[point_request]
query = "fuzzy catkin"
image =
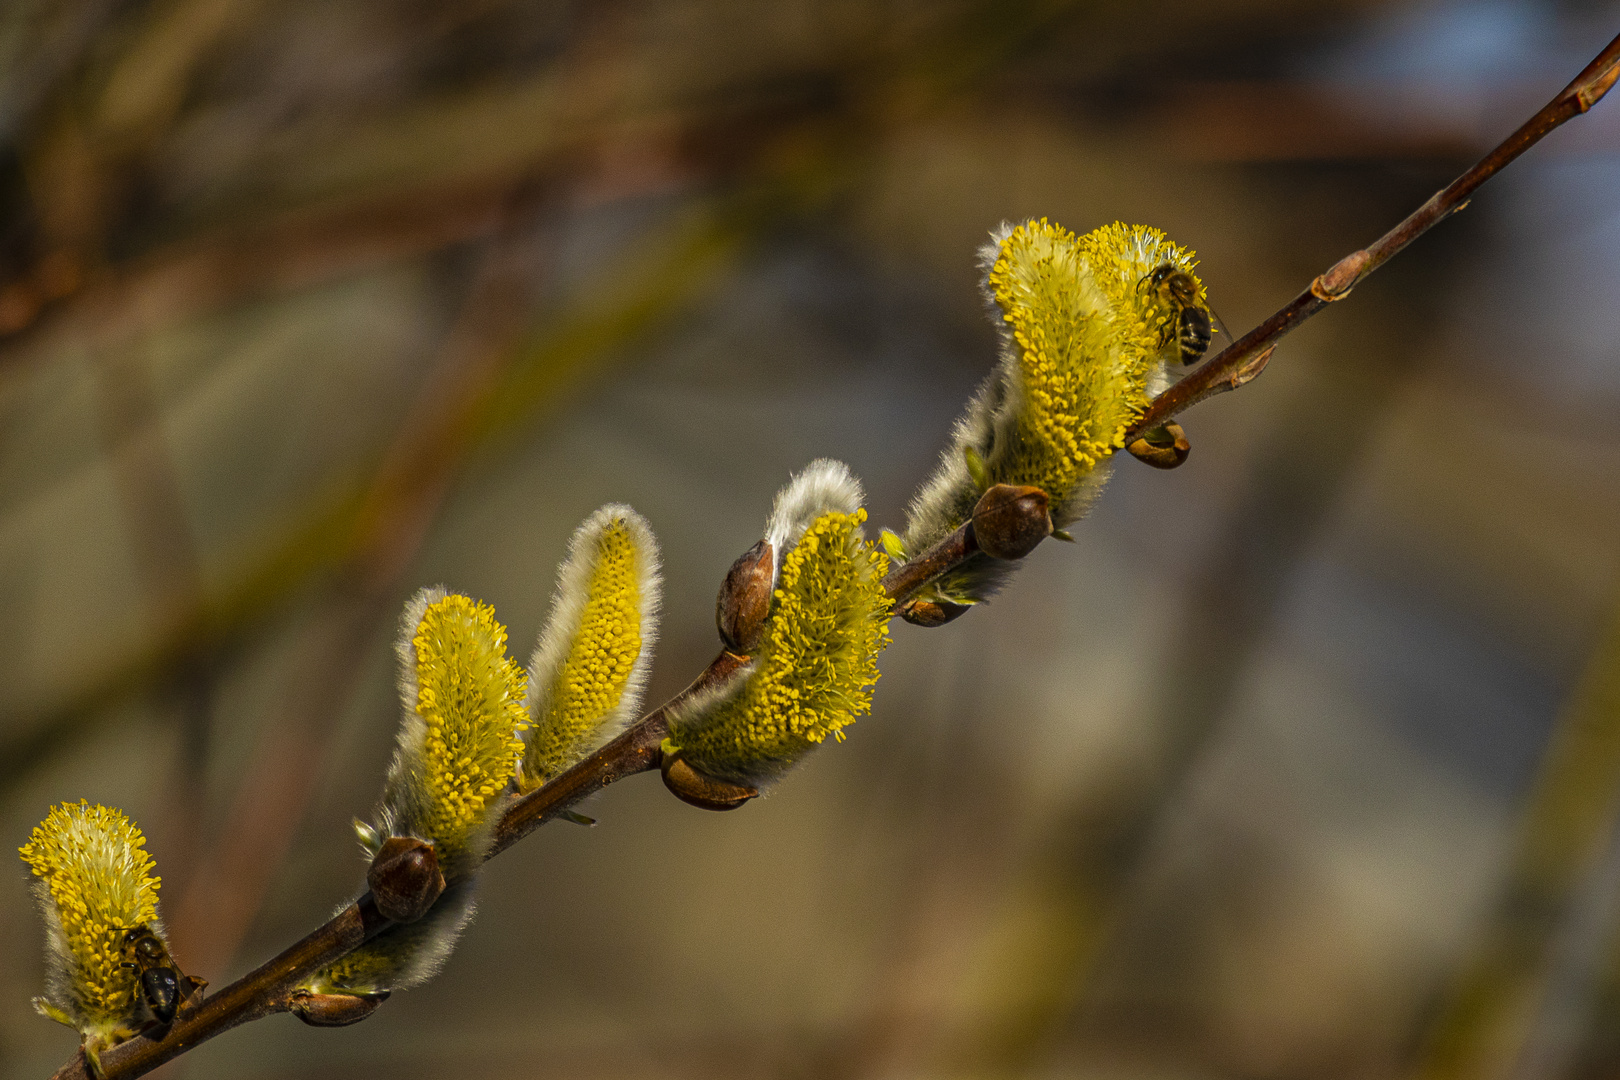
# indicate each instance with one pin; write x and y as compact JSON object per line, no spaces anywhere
{"x":1084,"y":348}
{"x":815,"y":668}
{"x":590,"y":667}
{"x":94,"y":883}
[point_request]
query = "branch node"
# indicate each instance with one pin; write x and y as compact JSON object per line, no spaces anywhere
{"x":1341,"y":277}
{"x":1251,"y":369}
{"x":1592,"y":90}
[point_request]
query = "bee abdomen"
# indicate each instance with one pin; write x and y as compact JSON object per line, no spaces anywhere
{"x":1193,"y":334}
{"x":162,"y":991}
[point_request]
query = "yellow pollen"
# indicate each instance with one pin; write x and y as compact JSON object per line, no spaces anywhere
{"x":470,"y":696}
{"x":817,"y":663}
{"x":1087,"y":336}
{"x":101,"y":882}
{"x":600,"y":661}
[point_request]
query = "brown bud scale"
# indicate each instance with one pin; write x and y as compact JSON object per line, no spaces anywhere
{"x":745,"y":598}
{"x":1163,"y":448}
{"x":1010,"y":520}
{"x":930,"y":612}
{"x":334,"y":1010}
{"x":691,"y":786}
{"x":405,"y":878}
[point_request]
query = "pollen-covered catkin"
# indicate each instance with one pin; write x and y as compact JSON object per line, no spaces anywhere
{"x":94,"y":883}
{"x":1084,"y":348}
{"x":461,"y":737}
{"x":814,"y":669}
{"x":590,"y":667}
{"x":459,"y":747}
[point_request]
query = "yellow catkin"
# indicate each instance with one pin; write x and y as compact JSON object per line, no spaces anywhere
{"x":816,"y":665}
{"x":470,"y":697}
{"x":601,"y":657}
{"x":100,"y":880}
{"x":1087,"y":336}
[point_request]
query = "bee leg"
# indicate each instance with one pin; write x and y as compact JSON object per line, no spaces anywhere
{"x":1164,"y":447}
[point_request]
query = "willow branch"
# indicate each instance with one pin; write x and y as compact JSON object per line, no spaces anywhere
{"x":269,"y":988}
{"x":1242,"y":361}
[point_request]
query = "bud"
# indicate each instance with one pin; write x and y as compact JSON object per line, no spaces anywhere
{"x":745,"y":598}
{"x":691,"y":786}
{"x":458,"y":753}
{"x":404,"y":878}
{"x":1165,"y":447}
{"x":1010,"y":521}
{"x":921,"y":612}
{"x":334,"y":1010}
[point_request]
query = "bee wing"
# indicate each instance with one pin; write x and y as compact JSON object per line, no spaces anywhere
{"x":1222,"y":338}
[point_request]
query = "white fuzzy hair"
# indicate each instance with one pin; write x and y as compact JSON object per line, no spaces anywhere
{"x":412,"y":953}
{"x":568,"y":607}
{"x":820,"y":487}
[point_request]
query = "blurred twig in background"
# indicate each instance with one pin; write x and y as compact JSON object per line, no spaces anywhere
{"x":1497,"y":1020}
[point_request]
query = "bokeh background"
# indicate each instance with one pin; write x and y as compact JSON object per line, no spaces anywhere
{"x":1301,"y":763}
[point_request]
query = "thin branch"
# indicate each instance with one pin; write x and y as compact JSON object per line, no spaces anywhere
{"x":1242,"y":361}
{"x":268,"y":989}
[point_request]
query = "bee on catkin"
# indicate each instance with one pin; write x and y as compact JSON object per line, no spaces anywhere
{"x":109,"y":975}
{"x":1090,"y":327}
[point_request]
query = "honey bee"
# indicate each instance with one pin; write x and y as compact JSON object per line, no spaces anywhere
{"x":163,"y":988}
{"x":1178,"y":290}
{"x":1166,"y":446}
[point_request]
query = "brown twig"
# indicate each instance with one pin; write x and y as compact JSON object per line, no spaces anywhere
{"x":267,"y":989}
{"x":1242,"y":361}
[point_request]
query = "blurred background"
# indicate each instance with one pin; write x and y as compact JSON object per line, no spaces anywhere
{"x":1302,"y":762}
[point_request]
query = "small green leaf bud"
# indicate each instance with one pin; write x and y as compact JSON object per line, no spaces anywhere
{"x":691,"y":786}
{"x":335,"y":1010}
{"x":405,"y":878}
{"x":978,"y":472}
{"x":930,"y":612}
{"x":1010,"y":520}
{"x":893,"y":546}
{"x":745,"y":598}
